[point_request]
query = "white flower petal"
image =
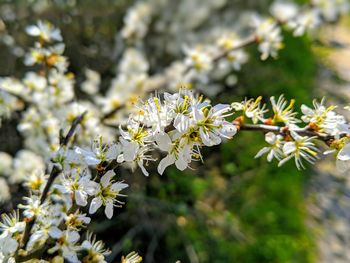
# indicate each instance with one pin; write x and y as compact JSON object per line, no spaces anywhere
{"x":55,"y":232}
{"x":344,"y":153}
{"x":106,"y":178}
{"x":163,"y":141}
{"x":270,"y":138}
{"x":109,"y":209}
{"x":165,"y":162}
{"x":95,"y":205}
{"x":181,"y":164}
{"x":113,"y":151}
{"x":73,"y":236}
{"x":80,"y":198}
{"x":262,"y":152}
{"x":33,"y":30}
{"x":130,"y":150}
{"x":119,"y":186}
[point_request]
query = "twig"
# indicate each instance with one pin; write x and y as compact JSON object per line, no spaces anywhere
{"x":54,"y":173}
{"x":285,"y":130}
{"x":245,"y":43}
{"x":111,"y":113}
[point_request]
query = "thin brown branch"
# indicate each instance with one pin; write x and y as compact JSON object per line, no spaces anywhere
{"x":285,"y":130}
{"x":111,"y":113}
{"x":244,"y":43}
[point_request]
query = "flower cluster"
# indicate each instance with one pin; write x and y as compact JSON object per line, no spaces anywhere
{"x":136,"y":21}
{"x":177,"y":125}
{"x":45,"y":101}
{"x":54,"y":217}
{"x":47,"y":95}
{"x":83,"y":180}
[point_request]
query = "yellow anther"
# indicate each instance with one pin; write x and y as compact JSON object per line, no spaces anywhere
{"x":184,"y":104}
{"x":290,"y":106}
{"x":206,"y":112}
{"x":156,"y":102}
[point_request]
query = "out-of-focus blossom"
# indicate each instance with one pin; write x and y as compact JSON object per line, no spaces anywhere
{"x":283,"y":10}
{"x":45,"y":31}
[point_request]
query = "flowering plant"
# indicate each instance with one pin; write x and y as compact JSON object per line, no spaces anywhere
{"x":70,"y":178}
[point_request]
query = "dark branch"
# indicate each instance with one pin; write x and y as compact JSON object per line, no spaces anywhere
{"x":54,"y":173}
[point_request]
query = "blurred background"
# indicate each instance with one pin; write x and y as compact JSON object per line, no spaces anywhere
{"x":232,"y":208}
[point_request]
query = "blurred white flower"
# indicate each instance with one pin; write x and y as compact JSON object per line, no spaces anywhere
{"x":24,"y":164}
{"x":5,"y":163}
{"x":331,"y":9}
{"x":8,"y":245}
{"x":305,"y":21}
{"x":284,"y":10}
{"x":5,"y":194}
{"x":132,"y":257}
{"x":98,"y":153}
{"x":76,"y":221}
{"x":343,"y":155}
{"x":198,"y":59}
{"x":45,"y":31}
{"x":268,"y":34}
{"x":136,"y":21}
{"x":92,"y":82}
{"x":33,"y":207}
{"x":11,"y":224}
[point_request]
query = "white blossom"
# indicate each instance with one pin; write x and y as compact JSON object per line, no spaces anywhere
{"x":275,"y":148}
{"x":305,"y":21}
{"x":8,"y":245}
{"x":96,"y":250}
{"x":78,"y":186}
{"x":212,"y":124}
{"x":284,"y":10}
{"x":269,"y":37}
{"x":106,"y":194}
{"x":66,"y":243}
{"x":283,"y":111}
{"x":10,"y":224}
{"x":33,"y":207}
{"x":45,"y":31}
{"x":300,"y":148}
